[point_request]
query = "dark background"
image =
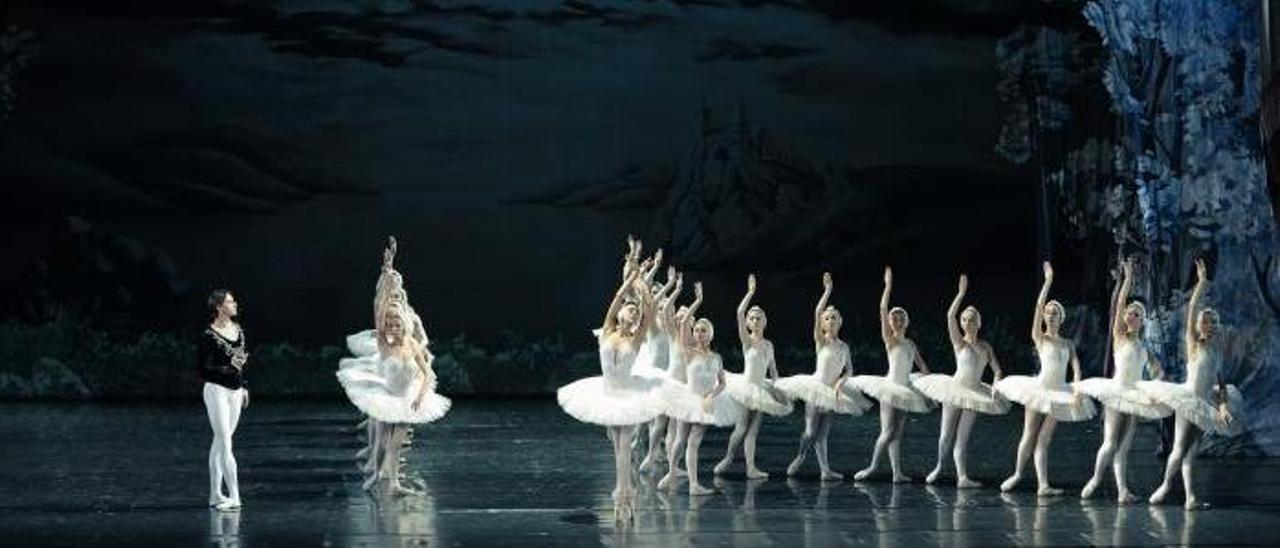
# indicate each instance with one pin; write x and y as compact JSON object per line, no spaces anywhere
{"x":270,"y":147}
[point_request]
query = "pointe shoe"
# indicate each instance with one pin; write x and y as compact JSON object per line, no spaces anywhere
{"x":1089,"y":489}
{"x":901,"y":478}
{"x":863,"y":474}
{"x":215,"y":501}
{"x":668,"y":481}
{"x":933,"y":476}
{"x":793,"y":468}
{"x":696,"y":490}
{"x":1010,"y":483}
{"x":967,"y":483}
{"x":229,"y":505}
{"x":682,"y":473}
{"x":1047,"y":491}
{"x":1158,"y":496}
{"x":828,"y":475}
{"x":647,"y":464}
{"x":1193,"y":504}
{"x":721,"y":467}
{"x":1125,"y":497}
{"x":756,"y":473}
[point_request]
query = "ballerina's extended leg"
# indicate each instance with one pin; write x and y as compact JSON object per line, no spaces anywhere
{"x":735,"y":439}
{"x":946,"y":437}
{"x":887,"y":424}
{"x":961,"y":450}
{"x":1026,"y":446}
{"x":820,"y":447}
{"x":673,"y":450}
{"x":1041,"y":457}
{"x":811,"y":416}
{"x":696,"y":431}
{"x":1120,"y":464}
{"x":749,"y":448}
{"x":1112,"y":429}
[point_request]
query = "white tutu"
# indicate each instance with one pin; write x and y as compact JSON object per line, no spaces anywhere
{"x":756,"y":397}
{"x":684,"y":405}
{"x":812,"y":390}
{"x":898,"y":396}
{"x":370,"y":392}
{"x":364,"y":343}
{"x":590,"y":400}
{"x":1130,"y":401}
{"x":1201,"y":412}
{"x":946,"y":390}
{"x":1060,"y":403}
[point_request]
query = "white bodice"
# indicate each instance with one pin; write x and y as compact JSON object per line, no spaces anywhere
{"x":703,"y":370}
{"x":616,"y":365}
{"x":970,"y":362}
{"x":755,"y":361}
{"x":901,"y":357}
{"x":1054,"y":355}
{"x":1202,"y":372}
{"x":1131,"y":358}
{"x":654,"y":351}
{"x":831,"y":360}
{"x":400,"y":375}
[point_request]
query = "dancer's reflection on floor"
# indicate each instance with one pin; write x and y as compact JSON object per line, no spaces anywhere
{"x":954,"y":507}
{"x":1174,"y":525}
{"x":1107,"y":522}
{"x":224,"y":528}
{"x":800,"y":490}
{"x":410,"y":518}
{"x":1030,"y":516}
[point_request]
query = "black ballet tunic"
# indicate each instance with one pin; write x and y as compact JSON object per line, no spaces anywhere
{"x":213,"y":359}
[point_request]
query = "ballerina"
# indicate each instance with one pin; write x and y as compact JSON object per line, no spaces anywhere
{"x":664,"y":322}
{"x":894,"y":391}
{"x":618,"y":399}
{"x":1047,"y":398}
{"x":1192,"y":400}
{"x":394,"y":386}
{"x":963,"y":395}
{"x":753,"y":389}
{"x":698,"y":403}
{"x":825,"y":391}
{"x":221,"y":358}
{"x":677,"y":370}
{"x":1123,"y":402}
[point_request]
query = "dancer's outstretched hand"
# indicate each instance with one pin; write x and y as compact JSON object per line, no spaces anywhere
{"x":245,"y":403}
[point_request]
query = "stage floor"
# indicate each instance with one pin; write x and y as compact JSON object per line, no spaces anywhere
{"x":523,"y":473}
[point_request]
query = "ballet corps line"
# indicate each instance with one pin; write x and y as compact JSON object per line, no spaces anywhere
{"x":658,"y":369}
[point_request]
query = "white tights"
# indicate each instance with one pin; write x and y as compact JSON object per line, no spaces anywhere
{"x":224,"y":407}
{"x":1117,"y":438}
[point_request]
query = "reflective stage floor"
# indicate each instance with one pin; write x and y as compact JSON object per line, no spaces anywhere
{"x":523,"y":473}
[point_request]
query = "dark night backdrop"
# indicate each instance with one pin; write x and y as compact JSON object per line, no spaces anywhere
{"x":155,"y":150}
{"x":271,"y":146}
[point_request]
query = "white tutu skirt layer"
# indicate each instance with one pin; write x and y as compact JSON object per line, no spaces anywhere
{"x":1060,"y":403}
{"x":897,"y":396}
{"x":364,"y":343}
{"x":684,"y":405}
{"x":1130,"y":401}
{"x":756,"y":397}
{"x":946,"y":390}
{"x":1199,"y":411}
{"x":813,"y":391}
{"x":650,"y":372}
{"x":369,"y":393}
{"x":591,"y":400}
